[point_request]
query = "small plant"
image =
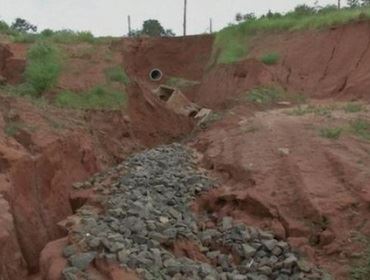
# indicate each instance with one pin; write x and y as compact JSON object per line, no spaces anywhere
{"x":12,"y":128}
{"x":361,"y":269}
{"x":43,"y":67}
{"x":331,"y":132}
{"x":117,"y":74}
{"x":353,"y":107}
{"x":323,"y":111}
{"x":181,"y":83}
{"x":361,"y":128}
{"x":270,"y":59}
{"x":96,"y":98}
{"x":265,"y":95}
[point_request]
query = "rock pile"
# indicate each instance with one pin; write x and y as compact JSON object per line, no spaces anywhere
{"x":147,"y":212}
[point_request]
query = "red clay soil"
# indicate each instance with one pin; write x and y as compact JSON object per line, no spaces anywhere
{"x":184,"y":57}
{"x":323,"y":63}
{"x":85,"y":66}
{"x":279,"y":174}
{"x":152,"y":122}
{"x":43,"y":151}
{"x":12,"y":64}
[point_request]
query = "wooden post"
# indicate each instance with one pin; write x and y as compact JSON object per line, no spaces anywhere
{"x":185,"y":14}
{"x":129,"y":25}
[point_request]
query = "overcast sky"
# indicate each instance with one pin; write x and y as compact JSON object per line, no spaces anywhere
{"x":109,"y":17}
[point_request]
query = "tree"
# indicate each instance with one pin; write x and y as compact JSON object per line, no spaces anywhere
{"x":304,"y":9}
{"x":238,"y":17}
{"x":246,"y":17}
{"x":23,"y":25}
{"x":353,"y":3}
{"x":153,"y":28}
{"x":365,"y":2}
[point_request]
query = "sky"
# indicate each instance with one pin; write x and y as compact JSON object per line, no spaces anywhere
{"x":109,"y":17}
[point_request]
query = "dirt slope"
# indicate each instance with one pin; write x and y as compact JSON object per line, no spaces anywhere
{"x":43,"y":151}
{"x":280,"y":174}
{"x":326,"y":63}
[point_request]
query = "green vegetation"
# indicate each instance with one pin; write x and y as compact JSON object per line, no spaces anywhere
{"x":96,"y":98}
{"x":269,"y":95}
{"x":361,"y":128}
{"x":12,"y":128}
{"x":117,"y":74}
{"x":43,"y":67}
{"x":331,"y":132}
{"x":324,"y":111}
{"x":353,"y":107}
{"x":265,"y":95}
{"x":270,"y":59}
{"x":181,"y":82}
{"x":231,"y":43}
{"x":361,"y":269}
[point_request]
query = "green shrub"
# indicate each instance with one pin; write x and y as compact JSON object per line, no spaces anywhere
{"x":181,"y":82}
{"x":117,"y":74}
{"x":47,"y":33}
{"x":361,"y":128}
{"x":96,"y":98}
{"x":25,"y":38}
{"x":331,"y":132}
{"x":265,"y":95}
{"x":43,"y":67}
{"x":72,"y":37}
{"x":270,"y":59}
{"x":353,"y":107}
{"x":4,"y":27}
{"x":12,"y":128}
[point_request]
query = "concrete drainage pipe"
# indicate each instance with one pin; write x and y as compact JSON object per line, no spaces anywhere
{"x":156,"y":75}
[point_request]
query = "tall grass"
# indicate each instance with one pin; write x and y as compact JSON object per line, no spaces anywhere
{"x":43,"y":67}
{"x":117,"y":74}
{"x":231,"y":43}
{"x":96,"y":98}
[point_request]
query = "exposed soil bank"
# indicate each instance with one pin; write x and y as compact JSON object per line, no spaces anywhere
{"x":280,"y":174}
{"x":42,"y":152}
{"x":319,"y":63}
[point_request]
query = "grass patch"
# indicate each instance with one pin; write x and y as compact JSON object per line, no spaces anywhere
{"x":96,"y":98}
{"x":43,"y":67}
{"x":270,"y":59}
{"x":231,"y":43}
{"x":265,"y":95}
{"x":361,"y":128}
{"x":361,"y":269}
{"x":331,"y":132}
{"x":353,"y":107}
{"x":117,"y":74}
{"x":181,"y":83}
{"x":12,"y":128}
{"x":323,"y":111}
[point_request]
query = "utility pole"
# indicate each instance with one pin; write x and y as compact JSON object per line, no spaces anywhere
{"x":210,"y":25}
{"x":185,"y":12}
{"x":338,"y":4}
{"x":129,"y":25}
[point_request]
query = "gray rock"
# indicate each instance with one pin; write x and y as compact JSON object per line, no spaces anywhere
{"x":69,"y":251}
{"x":82,"y":260}
{"x":248,"y":251}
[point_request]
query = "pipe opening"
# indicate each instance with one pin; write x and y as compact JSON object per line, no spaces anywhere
{"x":156,"y":75}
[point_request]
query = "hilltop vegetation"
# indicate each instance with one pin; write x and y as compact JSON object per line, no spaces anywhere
{"x":231,"y":43}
